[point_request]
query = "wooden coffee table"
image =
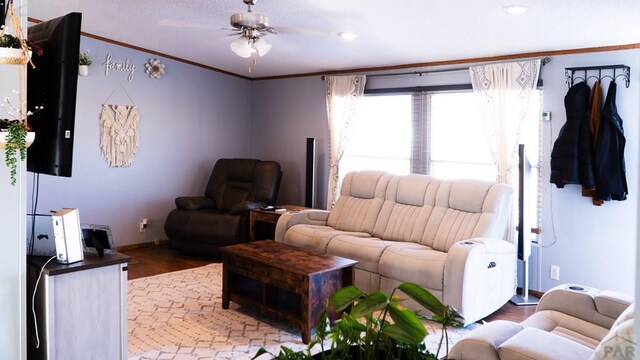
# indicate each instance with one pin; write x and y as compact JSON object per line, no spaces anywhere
{"x":282,"y":281}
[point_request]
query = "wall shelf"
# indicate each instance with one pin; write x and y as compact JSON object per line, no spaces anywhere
{"x":612,"y":72}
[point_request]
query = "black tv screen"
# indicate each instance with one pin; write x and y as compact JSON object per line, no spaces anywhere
{"x":52,"y":84}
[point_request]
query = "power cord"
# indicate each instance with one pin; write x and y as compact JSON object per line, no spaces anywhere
{"x":33,"y":301}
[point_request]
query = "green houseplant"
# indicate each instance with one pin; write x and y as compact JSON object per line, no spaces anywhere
{"x":364,"y":332}
{"x":84,"y":58}
{"x":15,"y":146}
{"x":15,"y":137}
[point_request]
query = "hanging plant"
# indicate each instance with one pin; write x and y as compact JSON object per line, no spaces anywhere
{"x":15,"y":137}
{"x":15,"y":145}
{"x":15,"y":49}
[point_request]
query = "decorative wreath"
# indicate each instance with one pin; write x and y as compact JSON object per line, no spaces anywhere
{"x":154,"y":68}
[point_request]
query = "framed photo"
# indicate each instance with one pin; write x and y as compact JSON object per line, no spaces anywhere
{"x":95,"y":237}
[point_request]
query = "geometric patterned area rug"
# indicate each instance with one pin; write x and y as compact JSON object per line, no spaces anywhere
{"x":179,"y":316}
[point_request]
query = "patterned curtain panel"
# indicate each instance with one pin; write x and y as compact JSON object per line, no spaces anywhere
{"x":505,"y":91}
{"x":343,"y":102}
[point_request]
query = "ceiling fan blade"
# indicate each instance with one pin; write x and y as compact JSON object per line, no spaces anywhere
{"x":302,"y":31}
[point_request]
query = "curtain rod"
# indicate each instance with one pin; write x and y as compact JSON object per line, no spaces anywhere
{"x":544,"y":61}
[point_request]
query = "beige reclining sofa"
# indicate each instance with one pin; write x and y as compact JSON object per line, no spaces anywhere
{"x":571,"y":322}
{"x":446,"y":235}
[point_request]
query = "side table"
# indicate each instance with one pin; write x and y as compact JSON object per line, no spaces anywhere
{"x":81,"y":308}
{"x":262,"y":223}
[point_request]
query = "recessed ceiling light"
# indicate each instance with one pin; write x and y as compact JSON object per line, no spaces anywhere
{"x":515,"y":9}
{"x":347,"y":35}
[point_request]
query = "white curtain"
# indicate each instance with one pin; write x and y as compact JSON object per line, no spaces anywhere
{"x":505,"y":91}
{"x":343,"y":102}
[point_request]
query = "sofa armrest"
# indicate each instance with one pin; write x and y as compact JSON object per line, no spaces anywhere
{"x":586,"y":303}
{"x":479,"y":276}
{"x":195,"y":202}
{"x":291,"y":218}
{"x":483,"y":342}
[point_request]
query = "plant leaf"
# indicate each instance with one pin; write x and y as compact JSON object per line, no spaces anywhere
{"x":370,"y":303}
{"x":397,"y":333}
{"x":261,"y":351}
{"x":408,"y":322}
{"x":345,"y":297}
{"x":423,"y":297}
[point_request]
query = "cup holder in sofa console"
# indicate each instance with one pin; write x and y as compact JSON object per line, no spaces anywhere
{"x":577,"y":288}
{"x":467,"y":243}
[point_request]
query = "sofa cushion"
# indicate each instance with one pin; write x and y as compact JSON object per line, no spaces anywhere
{"x":366,"y":250}
{"x":361,"y":197}
{"x":314,"y":237}
{"x":450,"y":226}
{"x":415,"y":263}
{"x":570,"y":327}
{"x":482,"y":342}
{"x":627,"y":314}
{"x":200,"y":226}
{"x":536,"y":344}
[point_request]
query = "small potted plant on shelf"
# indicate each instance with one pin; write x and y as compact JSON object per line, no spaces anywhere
{"x":366,"y":332}
{"x":84,"y":60}
{"x":15,"y":137}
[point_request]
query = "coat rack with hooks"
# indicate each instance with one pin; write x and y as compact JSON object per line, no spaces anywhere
{"x":623,"y":71}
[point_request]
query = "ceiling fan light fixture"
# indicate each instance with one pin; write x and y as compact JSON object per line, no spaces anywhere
{"x":261,"y":46}
{"x":242,"y":47}
{"x":515,"y":9}
{"x":347,"y":35}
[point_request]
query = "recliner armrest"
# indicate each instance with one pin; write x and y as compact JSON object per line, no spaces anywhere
{"x":586,"y":303}
{"x":245,"y":206}
{"x":195,"y":202}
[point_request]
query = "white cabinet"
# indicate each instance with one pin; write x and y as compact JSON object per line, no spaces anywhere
{"x":82,"y":309}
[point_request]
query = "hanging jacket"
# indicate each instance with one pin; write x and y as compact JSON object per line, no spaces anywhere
{"x":571,"y":157}
{"x":595,"y":107}
{"x":610,"y":174}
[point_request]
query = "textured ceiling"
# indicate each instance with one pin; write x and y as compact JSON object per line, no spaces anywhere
{"x":390,"y":32}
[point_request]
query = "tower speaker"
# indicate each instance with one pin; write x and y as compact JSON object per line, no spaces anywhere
{"x":310,"y":178}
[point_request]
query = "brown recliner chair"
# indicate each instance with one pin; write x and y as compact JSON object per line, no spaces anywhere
{"x":203,"y":224}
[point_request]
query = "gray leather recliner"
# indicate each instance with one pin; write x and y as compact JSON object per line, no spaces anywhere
{"x":203,"y":224}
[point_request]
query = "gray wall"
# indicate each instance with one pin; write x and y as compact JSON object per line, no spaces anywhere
{"x":595,"y":245}
{"x":284,"y":114}
{"x":188,"y":119}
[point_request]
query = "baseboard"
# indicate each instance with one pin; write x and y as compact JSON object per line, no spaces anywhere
{"x":535,"y":293}
{"x":142,"y":245}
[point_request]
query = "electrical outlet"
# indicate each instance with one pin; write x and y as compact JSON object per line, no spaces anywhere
{"x":143,"y":225}
{"x":156,"y":241}
{"x":554,"y":272}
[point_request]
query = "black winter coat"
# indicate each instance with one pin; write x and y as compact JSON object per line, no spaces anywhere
{"x":609,"y":152}
{"x":571,"y":157}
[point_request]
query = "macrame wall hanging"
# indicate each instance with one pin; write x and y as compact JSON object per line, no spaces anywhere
{"x":119,"y":132}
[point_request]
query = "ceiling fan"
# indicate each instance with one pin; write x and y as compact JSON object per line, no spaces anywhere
{"x":251,"y":27}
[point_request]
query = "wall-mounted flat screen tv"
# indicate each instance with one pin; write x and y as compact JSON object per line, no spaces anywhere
{"x":52,"y":84}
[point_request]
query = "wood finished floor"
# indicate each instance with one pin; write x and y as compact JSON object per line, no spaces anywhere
{"x":156,"y":260}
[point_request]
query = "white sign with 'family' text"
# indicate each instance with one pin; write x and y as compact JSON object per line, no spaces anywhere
{"x":126,"y":66}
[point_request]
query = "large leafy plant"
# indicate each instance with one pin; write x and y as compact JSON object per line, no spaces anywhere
{"x":377,"y":326}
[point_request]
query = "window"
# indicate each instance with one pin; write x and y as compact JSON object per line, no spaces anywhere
{"x":381,"y":138}
{"x":436,"y":133}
